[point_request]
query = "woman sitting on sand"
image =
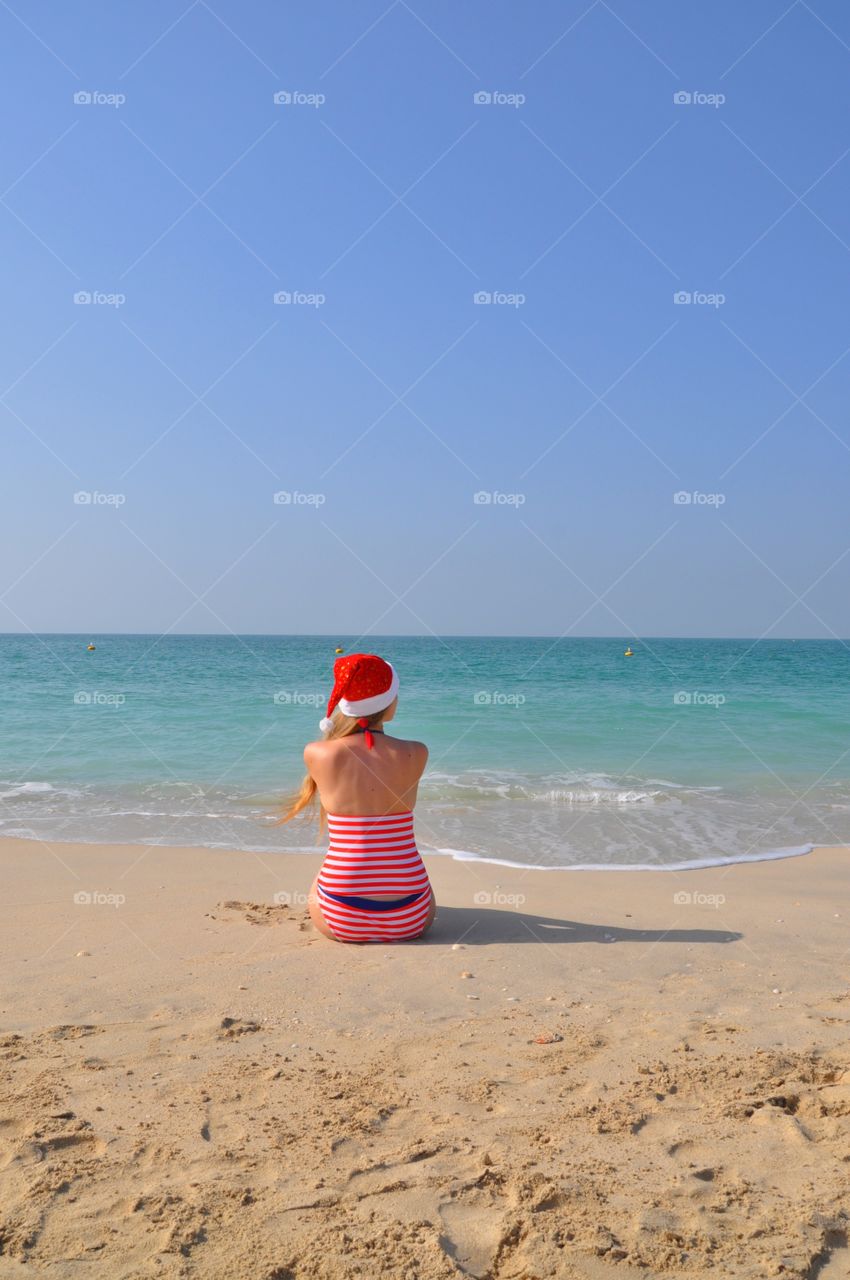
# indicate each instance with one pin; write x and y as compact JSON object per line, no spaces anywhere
{"x":372,"y":885}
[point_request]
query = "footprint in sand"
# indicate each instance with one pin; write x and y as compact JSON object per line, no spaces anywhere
{"x":264,"y":913}
{"x":40,"y":1146}
{"x":472,"y":1233}
{"x":832,"y":1263}
{"x":71,"y":1032}
{"x":695,"y":1160}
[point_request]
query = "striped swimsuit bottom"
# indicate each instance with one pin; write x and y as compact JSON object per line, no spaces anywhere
{"x":367,"y":856}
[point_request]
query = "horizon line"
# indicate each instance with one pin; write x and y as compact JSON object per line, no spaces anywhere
{"x":446,"y":635}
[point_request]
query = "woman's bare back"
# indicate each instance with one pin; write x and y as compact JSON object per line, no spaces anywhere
{"x":352,"y":779}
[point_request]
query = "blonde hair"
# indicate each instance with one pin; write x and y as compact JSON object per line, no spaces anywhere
{"x":306,"y":800}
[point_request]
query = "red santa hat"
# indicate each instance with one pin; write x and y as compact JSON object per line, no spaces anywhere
{"x":364,"y":684}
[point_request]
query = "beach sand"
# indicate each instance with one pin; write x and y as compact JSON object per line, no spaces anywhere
{"x":577,"y":1076}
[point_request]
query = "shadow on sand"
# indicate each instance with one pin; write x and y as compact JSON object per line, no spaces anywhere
{"x":477,"y":926}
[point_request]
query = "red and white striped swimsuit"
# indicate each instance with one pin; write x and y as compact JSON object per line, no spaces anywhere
{"x":372,"y":855}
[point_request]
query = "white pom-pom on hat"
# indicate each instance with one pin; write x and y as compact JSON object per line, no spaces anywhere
{"x":326,"y":724}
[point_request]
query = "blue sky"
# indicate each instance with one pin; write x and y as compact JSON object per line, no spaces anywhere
{"x":582,"y":196}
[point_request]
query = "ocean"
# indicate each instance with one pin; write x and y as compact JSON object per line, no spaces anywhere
{"x":543,"y":752}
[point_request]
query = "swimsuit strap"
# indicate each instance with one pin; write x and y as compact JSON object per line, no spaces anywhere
{"x":364,"y":728}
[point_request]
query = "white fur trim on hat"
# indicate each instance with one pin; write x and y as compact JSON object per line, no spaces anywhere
{"x":371,"y":706}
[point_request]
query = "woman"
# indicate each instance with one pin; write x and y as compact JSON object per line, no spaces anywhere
{"x":372,"y":885}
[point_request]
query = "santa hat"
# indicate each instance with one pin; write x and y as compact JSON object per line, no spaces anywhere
{"x":364,"y":684}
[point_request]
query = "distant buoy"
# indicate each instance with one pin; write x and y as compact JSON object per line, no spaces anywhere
{"x":89,"y":648}
{"x":628,"y":654}
{"x":338,"y":650}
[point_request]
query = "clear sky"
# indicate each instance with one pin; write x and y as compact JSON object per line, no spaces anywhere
{"x":381,"y":198}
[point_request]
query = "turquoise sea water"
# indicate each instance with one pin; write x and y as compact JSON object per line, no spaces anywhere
{"x":544,"y":752}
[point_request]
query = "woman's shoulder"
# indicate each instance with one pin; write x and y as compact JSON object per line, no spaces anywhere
{"x":411,"y":747}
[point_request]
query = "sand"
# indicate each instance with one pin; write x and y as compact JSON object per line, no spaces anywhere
{"x":578,"y":1076}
